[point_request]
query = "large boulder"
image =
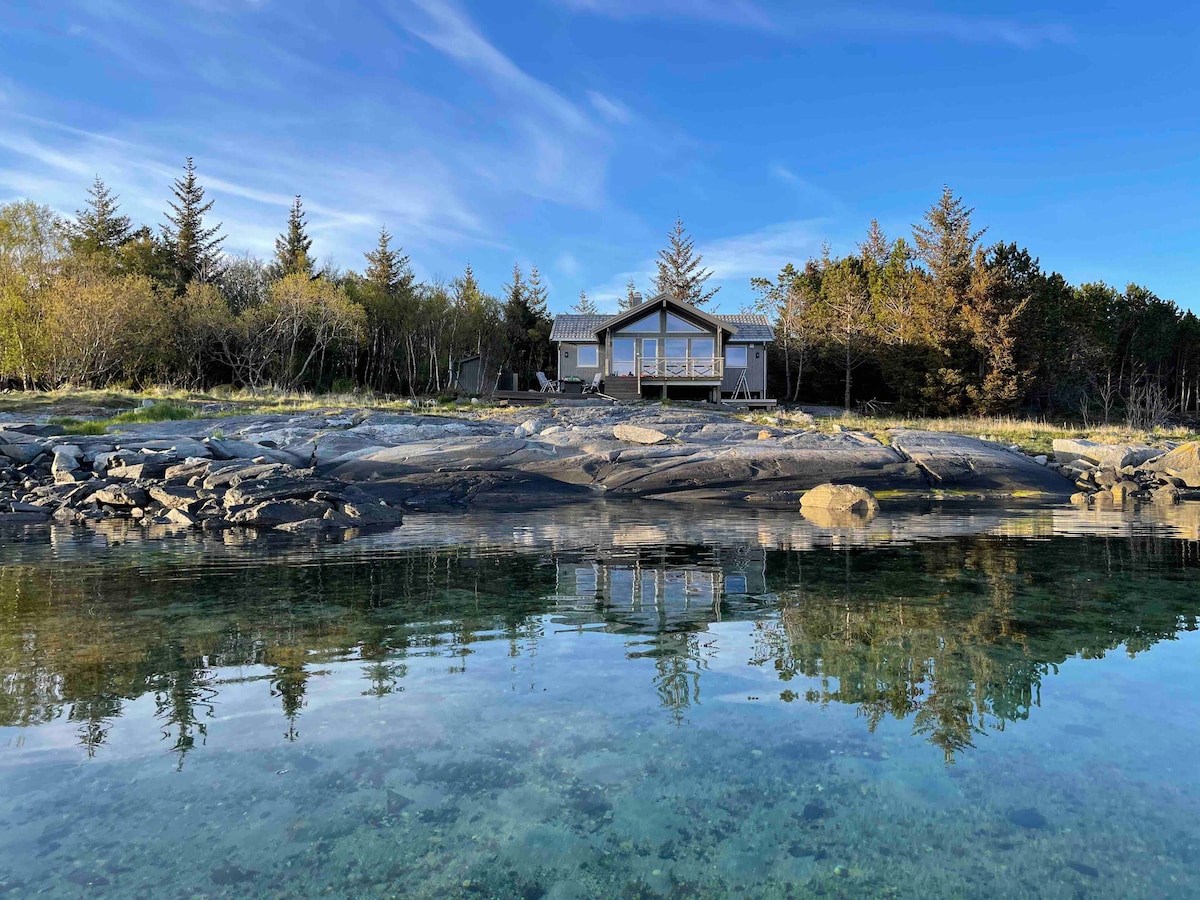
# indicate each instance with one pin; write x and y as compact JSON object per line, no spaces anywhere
{"x":638,"y":434}
{"x":1107,"y":456}
{"x":1183,"y":462}
{"x":840,"y":498}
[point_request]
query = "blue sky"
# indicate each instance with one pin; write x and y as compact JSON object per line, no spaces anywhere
{"x":571,"y":133}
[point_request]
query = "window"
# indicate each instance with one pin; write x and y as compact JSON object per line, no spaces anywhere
{"x":702,"y":348}
{"x":649,"y":357}
{"x":677,"y":325}
{"x":589,"y":357}
{"x":624,"y":356}
{"x":645,"y":323}
{"x":735,"y":357}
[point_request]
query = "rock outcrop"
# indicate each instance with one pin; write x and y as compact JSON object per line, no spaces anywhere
{"x":350,"y":469}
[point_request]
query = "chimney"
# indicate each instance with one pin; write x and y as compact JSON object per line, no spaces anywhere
{"x":638,"y":300}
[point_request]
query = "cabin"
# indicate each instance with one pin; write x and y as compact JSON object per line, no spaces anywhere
{"x":666,"y":348}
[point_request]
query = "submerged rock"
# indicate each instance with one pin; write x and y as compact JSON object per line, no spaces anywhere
{"x":1027,"y":817}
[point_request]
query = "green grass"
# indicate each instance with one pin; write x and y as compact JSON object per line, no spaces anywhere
{"x":159,"y":412}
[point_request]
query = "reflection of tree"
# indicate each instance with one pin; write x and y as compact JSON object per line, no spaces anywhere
{"x":954,"y":636}
{"x":183,"y":698}
{"x":289,"y":682}
{"x":958,"y":635}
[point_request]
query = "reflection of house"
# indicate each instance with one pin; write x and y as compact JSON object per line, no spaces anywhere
{"x":667,"y":348}
{"x":649,"y":591}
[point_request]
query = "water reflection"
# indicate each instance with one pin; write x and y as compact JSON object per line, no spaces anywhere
{"x":954,"y":637}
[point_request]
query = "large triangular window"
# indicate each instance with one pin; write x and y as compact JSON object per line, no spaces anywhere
{"x":645,"y":323}
{"x":676,"y":325}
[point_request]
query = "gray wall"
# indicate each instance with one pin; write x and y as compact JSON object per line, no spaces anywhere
{"x":756,"y":371}
{"x":568,"y":361}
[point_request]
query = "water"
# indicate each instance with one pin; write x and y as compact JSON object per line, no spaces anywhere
{"x":607,"y":701}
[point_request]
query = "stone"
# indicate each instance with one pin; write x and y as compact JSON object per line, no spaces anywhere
{"x":21,"y":454}
{"x":1167,"y":496}
{"x":765,"y":435}
{"x":1041,"y":459}
{"x":137,"y":472}
{"x":637,"y":434}
{"x":69,"y":476}
{"x":279,"y":512}
{"x":1124,"y":490}
{"x":175,"y":496}
{"x":371,"y":514}
{"x":282,"y":487}
{"x":234,"y":475}
{"x":840,"y":497}
{"x":1107,"y":456}
{"x":1183,"y":462}
{"x":19,"y":507}
{"x":121,"y":495}
{"x":180,"y":517}
{"x":1082,"y":498}
{"x":64,"y":461}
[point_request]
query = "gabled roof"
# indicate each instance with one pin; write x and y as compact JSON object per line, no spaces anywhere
{"x":666,"y":300}
{"x":748,"y":327}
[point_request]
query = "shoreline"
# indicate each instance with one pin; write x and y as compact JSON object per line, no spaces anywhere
{"x":357,"y":469}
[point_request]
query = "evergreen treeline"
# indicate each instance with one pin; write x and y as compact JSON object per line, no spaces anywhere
{"x":947,"y":324}
{"x":939,"y":324}
{"x":94,"y":301}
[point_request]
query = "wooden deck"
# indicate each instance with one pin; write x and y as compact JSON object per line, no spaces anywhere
{"x":533,"y":398}
{"x":751,"y":404}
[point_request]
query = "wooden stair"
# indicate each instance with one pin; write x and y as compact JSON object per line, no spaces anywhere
{"x":622,"y":387}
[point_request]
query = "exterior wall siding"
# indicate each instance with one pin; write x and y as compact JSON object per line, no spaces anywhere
{"x":568,"y":361}
{"x":756,"y":371}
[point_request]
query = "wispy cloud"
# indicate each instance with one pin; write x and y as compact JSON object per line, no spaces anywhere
{"x":734,"y":260}
{"x":555,"y":150}
{"x":613,"y":110}
{"x":864,"y":20}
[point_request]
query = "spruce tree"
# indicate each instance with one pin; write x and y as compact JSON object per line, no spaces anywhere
{"x":680,"y":273}
{"x":539,"y":295}
{"x":97,"y":228}
{"x":584,"y":306}
{"x":195,"y":249}
{"x":293,"y":246}
{"x":946,"y":243}
{"x":388,"y":269}
{"x":875,"y":249}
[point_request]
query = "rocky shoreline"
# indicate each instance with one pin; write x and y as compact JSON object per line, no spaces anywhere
{"x":355,"y":469}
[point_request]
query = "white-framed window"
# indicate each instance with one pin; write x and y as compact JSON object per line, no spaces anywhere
{"x":589,"y":357}
{"x":735,"y":357}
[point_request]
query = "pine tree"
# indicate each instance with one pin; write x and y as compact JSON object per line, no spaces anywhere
{"x":196,"y":250}
{"x":631,"y":299}
{"x":97,"y":228}
{"x":388,"y":269}
{"x":584,"y":306}
{"x":680,"y":274}
{"x":293,"y":246}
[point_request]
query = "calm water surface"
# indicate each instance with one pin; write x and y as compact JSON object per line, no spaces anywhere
{"x":607,"y":701}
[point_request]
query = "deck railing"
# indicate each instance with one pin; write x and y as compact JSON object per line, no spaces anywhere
{"x":694,"y":367}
